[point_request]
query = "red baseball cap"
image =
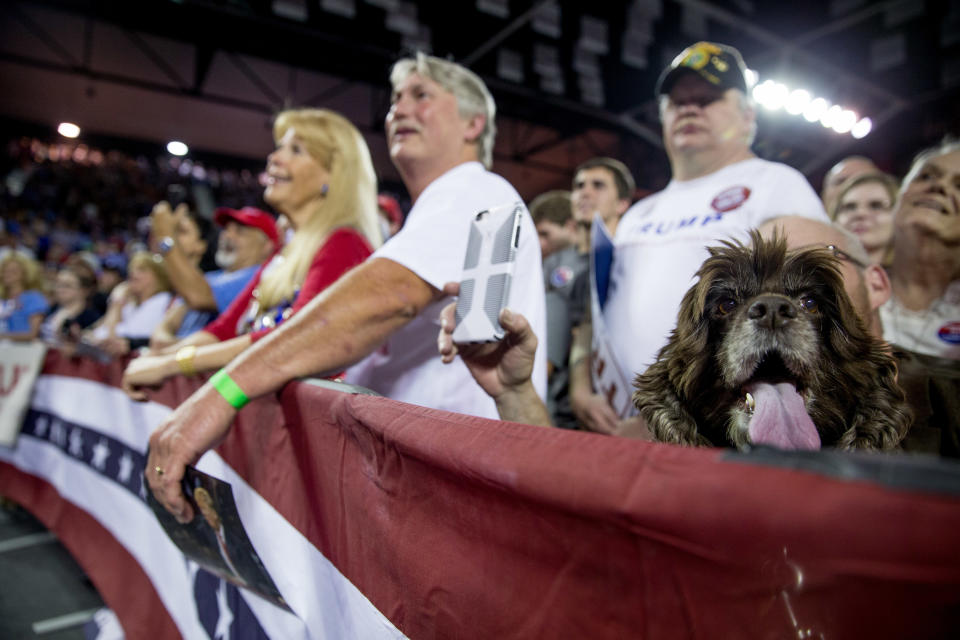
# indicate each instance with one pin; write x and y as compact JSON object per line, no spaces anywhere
{"x":249,"y":217}
{"x":391,"y":207}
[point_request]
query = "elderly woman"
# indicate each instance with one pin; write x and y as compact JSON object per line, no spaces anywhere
{"x":135,"y":308}
{"x":864,"y":206}
{"x":923,"y":314}
{"x":22,"y":305}
{"x":321,"y":178}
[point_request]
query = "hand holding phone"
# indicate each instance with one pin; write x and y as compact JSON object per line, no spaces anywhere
{"x":487,"y":273}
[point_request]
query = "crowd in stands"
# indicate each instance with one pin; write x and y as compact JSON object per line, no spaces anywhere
{"x":110,"y":255}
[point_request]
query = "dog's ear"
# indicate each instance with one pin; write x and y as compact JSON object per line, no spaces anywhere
{"x":686,"y":352}
{"x":883,"y":417}
{"x":665,"y":414}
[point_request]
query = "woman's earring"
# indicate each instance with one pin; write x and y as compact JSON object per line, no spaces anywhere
{"x":324,"y":189}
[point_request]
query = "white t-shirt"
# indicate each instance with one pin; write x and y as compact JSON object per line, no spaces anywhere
{"x":661,"y":242}
{"x":935,"y":332}
{"x":432,"y":244}
{"x":138,"y":321}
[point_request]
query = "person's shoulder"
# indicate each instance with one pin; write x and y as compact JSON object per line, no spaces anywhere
{"x":472,"y":178}
{"x":34,"y":300}
{"x":772,"y":169}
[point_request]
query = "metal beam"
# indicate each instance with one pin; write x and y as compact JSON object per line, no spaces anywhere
{"x":155,"y":58}
{"x":44,"y":37}
{"x":252,"y":76}
{"x":504,"y":33}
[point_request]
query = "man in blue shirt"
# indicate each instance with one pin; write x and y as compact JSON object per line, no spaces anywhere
{"x":247,"y":238}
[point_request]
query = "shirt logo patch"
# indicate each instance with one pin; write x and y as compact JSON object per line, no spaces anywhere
{"x":950,"y":332}
{"x":730,"y":199}
{"x":560,"y":276}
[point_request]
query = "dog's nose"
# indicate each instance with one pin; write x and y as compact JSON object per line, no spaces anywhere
{"x":772,"y":311}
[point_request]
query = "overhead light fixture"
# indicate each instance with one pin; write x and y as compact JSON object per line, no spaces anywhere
{"x":496,"y":8}
{"x":830,"y":116}
{"x":510,"y":65}
{"x":862,"y":128}
{"x":797,"y":101}
{"x":593,"y":35}
{"x":345,"y":8}
{"x":546,"y":21}
{"x":177,"y":148}
{"x":546,"y":61}
{"x":815,"y":110}
{"x":844,"y":122}
{"x":404,"y":19}
{"x":291,"y":9}
{"x":774,"y":95}
{"x":68,"y":130}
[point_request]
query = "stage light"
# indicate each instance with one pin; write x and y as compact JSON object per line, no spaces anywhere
{"x":862,"y":128}
{"x":177,"y":148}
{"x":68,"y":130}
{"x":776,"y":96}
{"x":798,"y":101}
{"x":751,"y":77}
{"x":845,"y":121}
{"x":815,"y":110}
{"x":831,"y":115}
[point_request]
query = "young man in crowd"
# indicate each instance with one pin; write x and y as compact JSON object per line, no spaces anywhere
{"x":247,"y":238}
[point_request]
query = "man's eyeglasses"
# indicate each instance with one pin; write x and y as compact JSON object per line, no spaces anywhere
{"x":840,"y":254}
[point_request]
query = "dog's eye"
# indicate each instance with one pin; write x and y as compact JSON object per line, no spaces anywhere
{"x":726,"y":305}
{"x":809,"y":304}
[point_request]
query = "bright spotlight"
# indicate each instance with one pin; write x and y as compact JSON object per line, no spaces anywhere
{"x":177,"y":148}
{"x":845,"y":121}
{"x":862,"y":128}
{"x":775,"y":96}
{"x":798,"y":101}
{"x":751,"y":77}
{"x":831,"y":115}
{"x":815,"y":110}
{"x":68,"y":130}
{"x":759,"y":91}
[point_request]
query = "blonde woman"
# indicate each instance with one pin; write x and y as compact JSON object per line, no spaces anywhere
{"x":321,"y":178}
{"x":135,"y":308}
{"x":22,"y":305}
{"x":865,"y":208}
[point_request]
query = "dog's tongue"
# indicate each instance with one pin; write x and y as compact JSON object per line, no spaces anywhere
{"x":780,"y":418}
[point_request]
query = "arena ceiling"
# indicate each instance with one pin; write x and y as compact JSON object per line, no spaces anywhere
{"x":572,"y":79}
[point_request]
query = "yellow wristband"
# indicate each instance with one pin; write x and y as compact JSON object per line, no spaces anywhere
{"x":185,"y":357}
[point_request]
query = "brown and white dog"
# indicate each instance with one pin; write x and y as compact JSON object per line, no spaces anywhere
{"x":769,"y":350}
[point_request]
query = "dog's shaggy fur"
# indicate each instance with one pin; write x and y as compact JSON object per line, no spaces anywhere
{"x":766,"y":313}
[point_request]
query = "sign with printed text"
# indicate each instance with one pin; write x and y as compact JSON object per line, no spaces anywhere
{"x":19,"y":366}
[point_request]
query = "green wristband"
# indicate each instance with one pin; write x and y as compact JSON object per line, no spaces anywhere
{"x":229,"y":389}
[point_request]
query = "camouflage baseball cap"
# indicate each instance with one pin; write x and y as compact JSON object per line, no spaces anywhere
{"x":719,"y":64}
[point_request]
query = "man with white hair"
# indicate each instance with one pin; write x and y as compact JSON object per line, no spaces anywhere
{"x":719,"y":190}
{"x":383,"y":316}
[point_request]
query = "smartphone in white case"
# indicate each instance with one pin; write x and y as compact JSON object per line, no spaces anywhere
{"x":487,"y":273}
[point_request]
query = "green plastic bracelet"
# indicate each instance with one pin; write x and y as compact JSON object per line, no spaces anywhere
{"x":229,"y":389}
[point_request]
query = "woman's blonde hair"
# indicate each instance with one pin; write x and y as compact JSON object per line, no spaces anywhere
{"x":350,"y":200}
{"x":32,"y":277}
{"x":146,"y":259}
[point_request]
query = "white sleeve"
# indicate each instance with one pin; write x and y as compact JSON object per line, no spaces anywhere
{"x":433,"y":240}
{"x":788,"y":193}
